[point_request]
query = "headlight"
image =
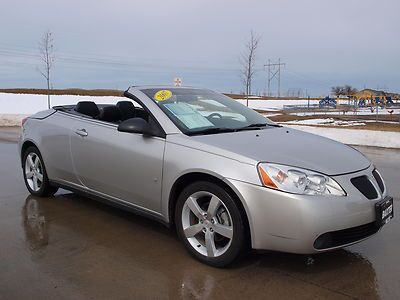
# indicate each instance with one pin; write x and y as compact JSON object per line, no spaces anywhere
{"x":298,"y":181}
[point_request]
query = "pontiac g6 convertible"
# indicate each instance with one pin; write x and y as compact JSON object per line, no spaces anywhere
{"x":226,"y":177}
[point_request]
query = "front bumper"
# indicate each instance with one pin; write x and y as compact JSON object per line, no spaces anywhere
{"x":292,"y":223}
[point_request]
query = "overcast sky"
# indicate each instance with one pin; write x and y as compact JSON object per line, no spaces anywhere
{"x":115,"y":44}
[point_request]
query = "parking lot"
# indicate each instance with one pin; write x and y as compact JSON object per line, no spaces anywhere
{"x":70,"y":247}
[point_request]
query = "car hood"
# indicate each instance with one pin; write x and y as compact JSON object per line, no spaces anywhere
{"x":286,"y":146}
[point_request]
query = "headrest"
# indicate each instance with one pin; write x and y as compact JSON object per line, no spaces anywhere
{"x":88,"y":108}
{"x":110,"y":114}
{"x":126,"y":109}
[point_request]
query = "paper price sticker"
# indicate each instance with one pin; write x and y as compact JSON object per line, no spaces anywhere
{"x":163,"y":95}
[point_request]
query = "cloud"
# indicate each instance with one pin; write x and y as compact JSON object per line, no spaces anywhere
{"x":152,"y":41}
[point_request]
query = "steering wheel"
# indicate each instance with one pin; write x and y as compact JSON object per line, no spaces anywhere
{"x":213,"y":115}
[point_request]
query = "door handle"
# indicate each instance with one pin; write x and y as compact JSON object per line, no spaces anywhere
{"x":81,"y":132}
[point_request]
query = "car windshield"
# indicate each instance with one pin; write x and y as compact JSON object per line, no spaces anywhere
{"x":198,"y":111}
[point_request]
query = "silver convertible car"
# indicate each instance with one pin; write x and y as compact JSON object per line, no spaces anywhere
{"x":227,"y":178}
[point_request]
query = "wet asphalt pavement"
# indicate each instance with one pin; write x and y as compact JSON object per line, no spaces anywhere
{"x":70,"y":247}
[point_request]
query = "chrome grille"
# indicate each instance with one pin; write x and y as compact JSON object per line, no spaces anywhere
{"x":379,"y":180}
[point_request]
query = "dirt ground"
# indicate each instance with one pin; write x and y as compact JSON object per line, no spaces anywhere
{"x":370,"y":125}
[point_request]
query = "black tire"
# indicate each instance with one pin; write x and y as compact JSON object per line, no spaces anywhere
{"x":45,"y":189}
{"x":238,"y":242}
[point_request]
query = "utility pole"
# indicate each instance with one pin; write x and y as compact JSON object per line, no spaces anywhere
{"x":269,"y":79}
{"x":274,"y":72}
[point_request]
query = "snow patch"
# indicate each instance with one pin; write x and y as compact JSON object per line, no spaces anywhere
{"x":28,"y":104}
{"x":11,"y":120}
{"x":387,"y":139}
{"x":271,"y":115}
{"x":324,"y":122}
{"x":274,"y":104}
{"x":359,"y":112}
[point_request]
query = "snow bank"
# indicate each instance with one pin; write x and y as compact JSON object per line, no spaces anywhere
{"x":271,"y":115}
{"x":365,"y":111}
{"x":11,"y":120}
{"x":27,"y":104}
{"x":323,"y":122}
{"x":360,"y":137}
{"x":274,"y":104}
{"x":30,"y":104}
{"x":15,"y":107}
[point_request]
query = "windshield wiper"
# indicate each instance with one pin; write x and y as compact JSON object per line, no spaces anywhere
{"x":264,"y":124}
{"x":274,"y":125}
{"x":257,"y":126}
{"x":212,"y":130}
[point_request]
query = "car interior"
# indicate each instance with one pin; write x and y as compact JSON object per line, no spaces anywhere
{"x":116,"y":114}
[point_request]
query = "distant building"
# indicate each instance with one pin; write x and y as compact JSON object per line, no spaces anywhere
{"x":370,"y":93}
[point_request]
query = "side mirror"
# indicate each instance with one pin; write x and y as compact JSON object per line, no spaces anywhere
{"x":135,"y":125}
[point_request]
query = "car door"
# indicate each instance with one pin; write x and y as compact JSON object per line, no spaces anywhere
{"x":55,"y":148}
{"x":125,"y":166}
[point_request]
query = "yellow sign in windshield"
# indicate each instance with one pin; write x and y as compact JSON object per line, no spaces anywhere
{"x":163,"y":95}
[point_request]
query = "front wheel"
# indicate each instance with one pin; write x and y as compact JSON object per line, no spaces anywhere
{"x":35,"y":175}
{"x":210,"y":224}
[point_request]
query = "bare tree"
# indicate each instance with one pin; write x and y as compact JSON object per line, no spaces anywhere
{"x":349,"y":90}
{"x":47,"y":58}
{"x":337,"y":90}
{"x":346,"y":90}
{"x":247,"y":61}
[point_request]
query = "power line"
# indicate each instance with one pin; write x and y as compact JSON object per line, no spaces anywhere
{"x":102,"y":61}
{"x":308,"y":78}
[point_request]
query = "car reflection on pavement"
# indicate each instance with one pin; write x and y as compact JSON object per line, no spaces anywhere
{"x":106,"y":255}
{"x":35,"y":224}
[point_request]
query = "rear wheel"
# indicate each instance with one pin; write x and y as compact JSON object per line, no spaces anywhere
{"x":210,"y":224}
{"x":35,"y":175}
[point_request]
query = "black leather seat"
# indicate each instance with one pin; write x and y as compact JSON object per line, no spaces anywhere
{"x":110,"y":114}
{"x":127,"y":110}
{"x":87,"y":108}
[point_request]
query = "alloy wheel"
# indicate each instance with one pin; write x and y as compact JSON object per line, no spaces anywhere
{"x":207,"y":224}
{"x":33,"y":171}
